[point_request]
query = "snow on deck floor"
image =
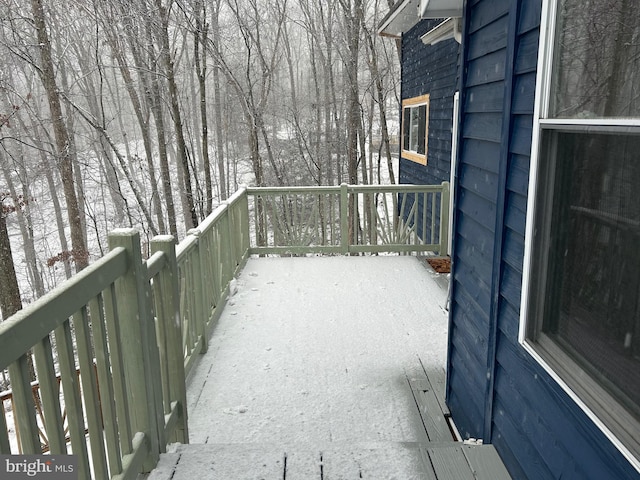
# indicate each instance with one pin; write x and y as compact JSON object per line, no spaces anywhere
{"x":306,"y":373}
{"x":317,"y":350}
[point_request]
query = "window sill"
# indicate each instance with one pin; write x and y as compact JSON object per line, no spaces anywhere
{"x":414,"y":157}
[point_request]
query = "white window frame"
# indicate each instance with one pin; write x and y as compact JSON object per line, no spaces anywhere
{"x":543,"y":349}
{"x":406,"y":151}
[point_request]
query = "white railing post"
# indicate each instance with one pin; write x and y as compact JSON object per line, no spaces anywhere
{"x":201,"y":311}
{"x":444,"y":218}
{"x":344,"y":218}
{"x":140,"y":358}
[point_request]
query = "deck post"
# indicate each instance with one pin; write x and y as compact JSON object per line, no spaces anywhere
{"x":242,"y":224}
{"x":201,"y":311}
{"x":444,"y":219}
{"x":140,"y":357}
{"x":170,"y":296}
{"x":344,"y":219}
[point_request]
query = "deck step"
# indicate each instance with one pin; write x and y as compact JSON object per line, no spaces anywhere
{"x":333,"y":461}
{"x":427,"y":387}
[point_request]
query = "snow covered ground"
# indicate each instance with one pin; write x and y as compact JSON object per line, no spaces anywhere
{"x":316,"y":351}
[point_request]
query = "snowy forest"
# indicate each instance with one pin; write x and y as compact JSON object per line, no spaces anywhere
{"x":149,"y":113}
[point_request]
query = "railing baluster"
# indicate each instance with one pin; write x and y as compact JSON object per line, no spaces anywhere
{"x":50,"y":396}
{"x":388,"y":226}
{"x":90,"y":393}
{"x":112,"y":321}
{"x":413,"y":237}
{"x":355,"y":225}
{"x":434,"y":212}
{"x":344,"y":218}
{"x":425,"y":200}
{"x":309,"y":222}
{"x":402,"y":222}
{"x":224,"y":228}
{"x":5,"y":445}
{"x":72,"y":400}
{"x":226,"y":254}
{"x":271,"y":213}
{"x":189,"y":278}
{"x":198,"y":285}
{"x":161,"y":333}
{"x":24,"y":409}
{"x":241,"y":221}
{"x":105,"y":383}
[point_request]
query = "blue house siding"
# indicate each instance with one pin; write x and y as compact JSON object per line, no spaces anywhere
{"x":432,"y":70}
{"x":496,"y":391}
{"x":482,"y":98}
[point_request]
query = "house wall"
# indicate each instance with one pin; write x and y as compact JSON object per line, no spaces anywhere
{"x":495,"y":390}
{"x":430,"y":69}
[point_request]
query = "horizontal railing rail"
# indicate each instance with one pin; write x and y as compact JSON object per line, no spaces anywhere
{"x":121,"y":336}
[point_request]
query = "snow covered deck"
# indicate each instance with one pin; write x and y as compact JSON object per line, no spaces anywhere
{"x":309,"y":374}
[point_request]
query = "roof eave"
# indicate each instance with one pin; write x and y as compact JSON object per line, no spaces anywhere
{"x":407,"y":13}
{"x":440,"y":8}
{"x":400,"y":19}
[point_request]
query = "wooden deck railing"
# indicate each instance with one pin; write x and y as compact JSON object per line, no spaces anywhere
{"x":350,"y":219}
{"x":121,"y":336}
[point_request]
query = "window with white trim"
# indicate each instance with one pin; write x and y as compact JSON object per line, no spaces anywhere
{"x":581,"y":292}
{"x":415,"y":128}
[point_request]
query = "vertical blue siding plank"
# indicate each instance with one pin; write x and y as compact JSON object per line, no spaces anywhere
{"x":500,"y":217}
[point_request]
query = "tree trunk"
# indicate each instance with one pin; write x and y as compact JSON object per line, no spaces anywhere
{"x":10,"y":301}
{"x":217,"y":107}
{"x":22,"y":210}
{"x":199,"y":43}
{"x":152,"y":89}
{"x":47,"y":75}
{"x":352,"y":23}
{"x":141,"y":116}
{"x":191,"y":220}
{"x":380,"y":100}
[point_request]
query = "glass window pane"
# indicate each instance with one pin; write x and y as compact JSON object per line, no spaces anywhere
{"x":596,"y":60}
{"x":592,"y":298}
{"x":415,"y":125}
{"x":406,"y":127}
{"x":422,"y":129}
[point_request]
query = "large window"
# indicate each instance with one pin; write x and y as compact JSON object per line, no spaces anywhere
{"x":581,"y":298}
{"x":415,"y":124}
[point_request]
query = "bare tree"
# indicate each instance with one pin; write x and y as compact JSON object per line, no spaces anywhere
{"x":63,"y":142}
{"x":10,"y":301}
{"x":162,"y":32}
